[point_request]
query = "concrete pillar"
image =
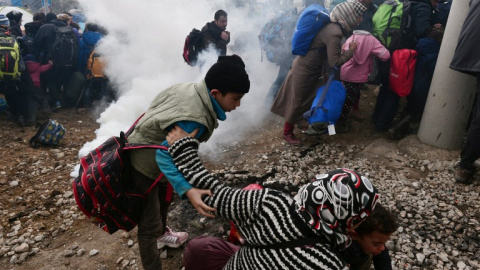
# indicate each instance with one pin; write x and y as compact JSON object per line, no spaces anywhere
{"x":451,"y":93}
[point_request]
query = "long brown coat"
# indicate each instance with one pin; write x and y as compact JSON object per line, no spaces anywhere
{"x":300,"y":86}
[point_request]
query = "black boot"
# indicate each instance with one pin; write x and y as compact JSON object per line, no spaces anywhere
{"x":400,"y":130}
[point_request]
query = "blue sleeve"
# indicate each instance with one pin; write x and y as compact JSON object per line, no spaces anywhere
{"x":165,"y":161}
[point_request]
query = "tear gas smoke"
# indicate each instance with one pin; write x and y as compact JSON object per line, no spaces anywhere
{"x":143,"y":50}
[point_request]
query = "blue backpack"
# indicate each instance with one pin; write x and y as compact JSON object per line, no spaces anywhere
{"x":312,"y":19}
{"x":328,"y":103}
{"x":276,"y":33}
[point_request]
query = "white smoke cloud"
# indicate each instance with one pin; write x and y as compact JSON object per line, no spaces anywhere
{"x":144,"y":54}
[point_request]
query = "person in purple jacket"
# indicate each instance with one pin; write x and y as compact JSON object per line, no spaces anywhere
{"x":354,"y":73}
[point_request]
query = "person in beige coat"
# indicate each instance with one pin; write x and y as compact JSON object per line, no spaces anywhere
{"x":299,"y":88}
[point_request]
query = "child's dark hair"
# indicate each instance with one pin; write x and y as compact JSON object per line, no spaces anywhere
{"x":380,"y":220}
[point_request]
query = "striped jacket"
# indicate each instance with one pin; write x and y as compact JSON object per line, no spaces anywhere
{"x":263,"y":217}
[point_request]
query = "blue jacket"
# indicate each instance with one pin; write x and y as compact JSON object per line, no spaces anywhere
{"x":87,"y":42}
{"x":428,"y":50}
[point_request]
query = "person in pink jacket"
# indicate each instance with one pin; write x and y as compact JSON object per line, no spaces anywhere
{"x":38,"y":95}
{"x":355,"y":71}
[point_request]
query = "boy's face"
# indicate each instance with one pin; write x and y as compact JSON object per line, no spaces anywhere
{"x":229,"y":101}
{"x":372,"y":243}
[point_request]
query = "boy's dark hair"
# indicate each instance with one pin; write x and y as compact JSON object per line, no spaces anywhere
{"x":92,"y":27}
{"x":39,"y":16}
{"x":220,"y":13}
{"x":380,"y":220}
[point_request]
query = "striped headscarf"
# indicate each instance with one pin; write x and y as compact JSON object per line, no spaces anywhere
{"x":347,"y":15}
{"x":335,"y":202}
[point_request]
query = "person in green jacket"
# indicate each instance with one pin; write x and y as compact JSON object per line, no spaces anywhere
{"x":191,"y":106}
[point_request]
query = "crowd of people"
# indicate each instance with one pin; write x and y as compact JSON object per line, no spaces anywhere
{"x":334,"y":221}
{"x":52,"y":65}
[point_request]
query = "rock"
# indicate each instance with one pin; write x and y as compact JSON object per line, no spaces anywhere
{"x":22,"y":248}
{"x":80,"y":252}
{"x":93,"y":252}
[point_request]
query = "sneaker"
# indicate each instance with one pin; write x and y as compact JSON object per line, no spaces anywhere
{"x":291,"y":139}
{"x":316,"y":129}
{"x":56,"y":106}
{"x":463,"y":176}
{"x":172,"y":239}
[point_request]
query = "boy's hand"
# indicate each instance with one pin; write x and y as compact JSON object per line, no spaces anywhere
{"x":353,"y":45}
{"x":176,"y":133}
{"x":195,"y":196}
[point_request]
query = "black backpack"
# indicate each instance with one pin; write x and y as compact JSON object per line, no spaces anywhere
{"x":64,"y":51}
{"x":193,"y":45}
{"x":103,"y":189}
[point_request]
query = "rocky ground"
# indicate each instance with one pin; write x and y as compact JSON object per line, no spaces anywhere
{"x":41,"y":227}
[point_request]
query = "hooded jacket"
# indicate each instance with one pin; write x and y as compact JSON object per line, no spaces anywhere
{"x":44,"y":39}
{"x":359,"y":66}
{"x":88,"y":41}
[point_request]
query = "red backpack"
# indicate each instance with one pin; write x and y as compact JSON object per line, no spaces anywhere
{"x":103,"y":190}
{"x":402,"y":71}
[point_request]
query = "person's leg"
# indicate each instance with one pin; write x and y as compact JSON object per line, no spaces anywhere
{"x":54,"y":87}
{"x":353,"y":95}
{"x":150,"y":224}
{"x":272,"y":93}
{"x":387,"y":101}
{"x":288,"y":135}
{"x":207,"y":253}
{"x":471,"y":150}
{"x":169,"y":238}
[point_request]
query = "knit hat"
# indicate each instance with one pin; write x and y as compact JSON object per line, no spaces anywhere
{"x":50,"y":17}
{"x":228,"y":75}
{"x":335,"y":202}
{"x":15,"y":16}
{"x":347,"y":15}
{"x":4,"y":20}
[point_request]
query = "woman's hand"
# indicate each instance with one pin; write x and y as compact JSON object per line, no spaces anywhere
{"x":195,"y":196}
{"x":177,"y":133}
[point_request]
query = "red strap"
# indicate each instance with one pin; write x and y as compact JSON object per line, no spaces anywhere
{"x":169,"y":193}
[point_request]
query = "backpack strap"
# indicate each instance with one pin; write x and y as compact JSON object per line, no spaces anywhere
{"x":311,"y":112}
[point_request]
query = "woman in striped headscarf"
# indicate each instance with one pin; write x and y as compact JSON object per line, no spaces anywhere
{"x":299,"y":88}
{"x":279,"y":232}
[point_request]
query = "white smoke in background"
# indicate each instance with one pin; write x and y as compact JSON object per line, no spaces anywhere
{"x":144,"y":54}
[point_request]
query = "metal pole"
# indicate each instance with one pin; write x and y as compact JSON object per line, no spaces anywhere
{"x":451,"y":93}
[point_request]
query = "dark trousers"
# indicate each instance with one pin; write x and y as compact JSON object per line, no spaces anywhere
{"x":153,"y":221}
{"x":18,"y":94}
{"x":387,"y":101}
{"x":58,"y":79}
{"x":471,"y":150}
{"x":37,"y":100}
{"x":273,"y":91}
